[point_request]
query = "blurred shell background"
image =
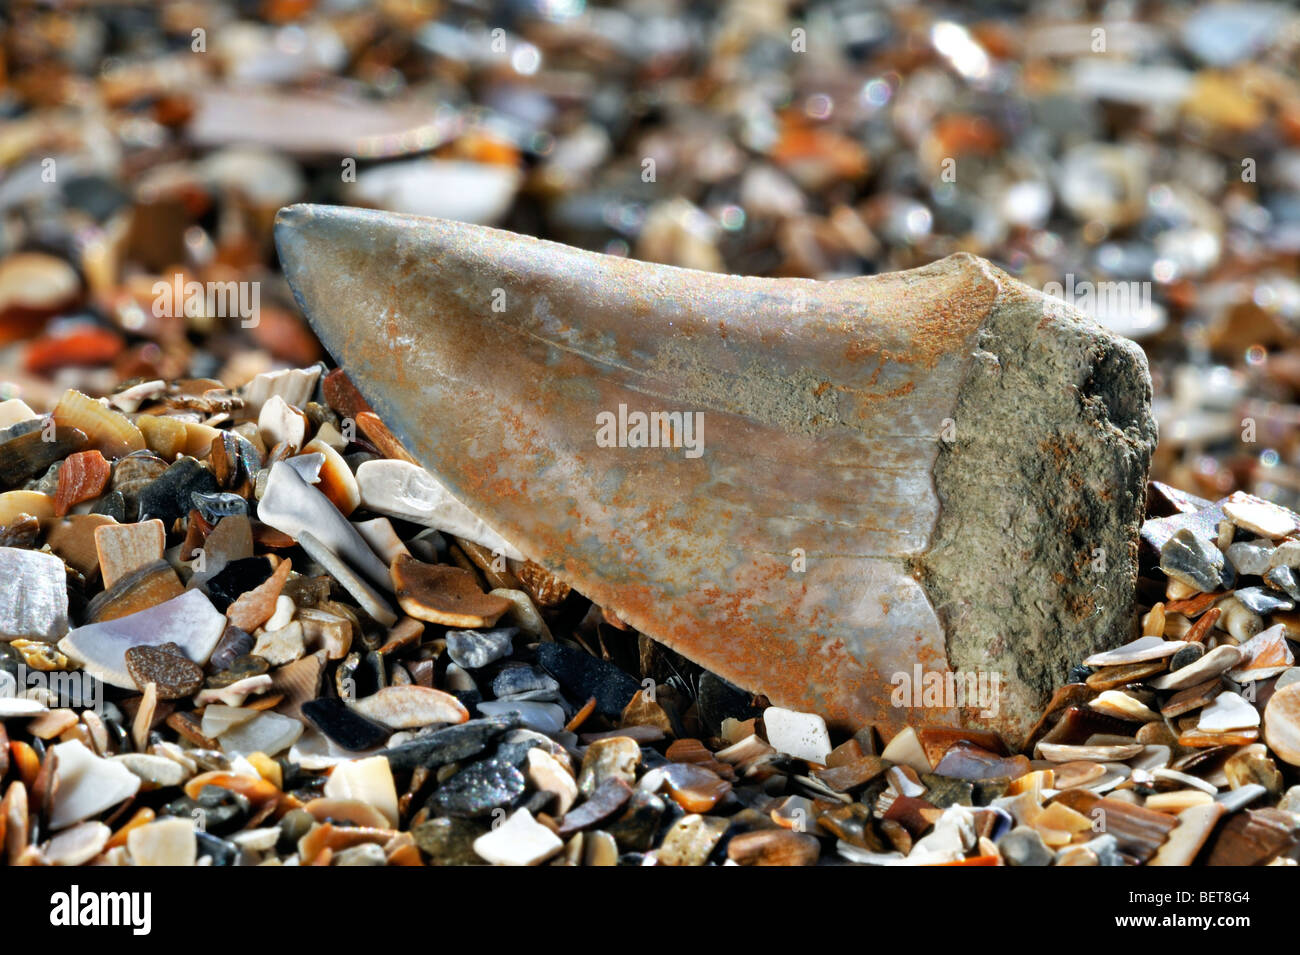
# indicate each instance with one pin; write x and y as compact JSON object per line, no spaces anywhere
{"x":1140,"y":160}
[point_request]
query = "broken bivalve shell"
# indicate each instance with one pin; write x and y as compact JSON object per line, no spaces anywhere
{"x":84,"y":784}
{"x":189,"y":621}
{"x":410,"y":707}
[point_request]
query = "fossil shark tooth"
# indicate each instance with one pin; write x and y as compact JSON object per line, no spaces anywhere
{"x":932,"y":474}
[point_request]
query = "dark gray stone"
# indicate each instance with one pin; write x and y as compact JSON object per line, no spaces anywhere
{"x":1192,"y":559}
{"x":473,"y":649}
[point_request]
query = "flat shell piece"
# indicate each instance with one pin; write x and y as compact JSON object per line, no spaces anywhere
{"x":1120,"y":704}
{"x":407,"y":491}
{"x":140,"y":589}
{"x":1282,"y":724}
{"x":1194,"y":826}
{"x":293,"y":506}
{"x":440,"y":593}
{"x":85,"y":785}
{"x":520,"y":840}
{"x":1065,"y":753}
{"x":1139,"y":651}
{"x":266,"y":732}
{"x":801,"y":735}
{"x":1217,"y":661}
{"x":369,"y":781}
{"x":371,"y":601}
{"x":33,"y":595}
{"x":1229,"y":711}
{"x":190,"y":621}
{"x":1264,"y":655}
{"x":123,"y":548}
{"x":410,"y":707}
{"x":1259,"y":516}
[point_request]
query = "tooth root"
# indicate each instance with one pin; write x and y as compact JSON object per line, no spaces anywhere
{"x":930,"y":467}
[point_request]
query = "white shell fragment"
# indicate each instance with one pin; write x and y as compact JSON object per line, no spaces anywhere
{"x":293,"y":506}
{"x":282,"y":645}
{"x":408,"y":491}
{"x":1216,"y":661}
{"x":906,"y":750}
{"x":801,"y":735}
{"x":410,"y":707}
{"x":218,"y":718}
{"x":267,"y":733}
{"x":520,"y":840}
{"x":190,"y":621}
{"x":293,"y":385}
{"x":167,"y":842}
{"x":1138,"y":651}
{"x":235,"y":693}
{"x":278,"y":422}
{"x":1227,"y":712}
{"x":33,"y":595}
{"x":1258,"y":516}
{"x":13,"y":411}
{"x":365,"y":595}
{"x":547,"y":774}
{"x":155,"y":770}
{"x":368,"y":780}
{"x":85,"y":785}
{"x":78,"y":844}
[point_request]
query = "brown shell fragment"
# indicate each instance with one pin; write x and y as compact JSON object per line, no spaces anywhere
{"x":299,"y":681}
{"x":124,"y":548}
{"x":373,"y":427}
{"x":30,"y":454}
{"x":21,"y":532}
{"x":165,"y":436}
{"x":187,"y":725}
{"x":693,"y":787}
{"x":342,"y":395}
{"x":255,"y":607}
{"x":774,"y":847}
{"x":142,"y":588}
{"x":82,"y":477}
{"x":438,"y":593}
{"x":541,"y":585}
{"x":73,"y":540}
{"x":851,"y":775}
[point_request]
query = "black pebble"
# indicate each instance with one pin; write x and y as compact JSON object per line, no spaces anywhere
{"x":719,"y":700}
{"x":350,"y":730}
{"x":450,"y":744}
{"x":170,"y":495}
{"x":113,"y":504}
{"x":223,"y":853}
{"x":583,"y":676}
{"x":237,"y":577}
